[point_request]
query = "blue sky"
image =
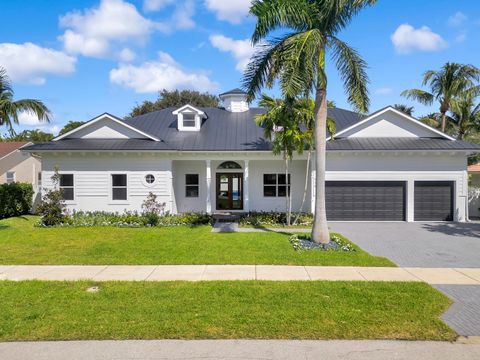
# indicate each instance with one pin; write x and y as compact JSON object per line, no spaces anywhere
{"x":83,"y":58}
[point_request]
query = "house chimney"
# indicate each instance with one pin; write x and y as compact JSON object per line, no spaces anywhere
{"x":235,"y":100}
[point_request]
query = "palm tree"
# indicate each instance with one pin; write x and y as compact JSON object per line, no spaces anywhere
{"x":466,"y":115}
{"x":408,"y":110}
{"x":446,"y":84}
{"x":9,"y":109}
{"x":297,"y":59}
{"x":435,"y":120}
{"x":282,"y":128}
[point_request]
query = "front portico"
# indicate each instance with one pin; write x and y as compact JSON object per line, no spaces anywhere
{"x":236,"y":185}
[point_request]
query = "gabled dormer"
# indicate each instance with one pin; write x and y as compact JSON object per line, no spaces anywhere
{"x":189,"y":118}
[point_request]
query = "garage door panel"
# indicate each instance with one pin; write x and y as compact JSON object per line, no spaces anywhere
{"x":365,"y":200}
{"x":434,"y":200}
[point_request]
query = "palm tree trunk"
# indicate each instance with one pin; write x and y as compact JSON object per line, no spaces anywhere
{"x":307,"y":171}
{"x":320,"y":233}
{"x":444,"y":121}
{"x":287,"y":208}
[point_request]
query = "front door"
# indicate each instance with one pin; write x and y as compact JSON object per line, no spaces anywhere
{"x":229,"y":191}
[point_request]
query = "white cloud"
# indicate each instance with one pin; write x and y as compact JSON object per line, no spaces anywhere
{"x":30,"y":63}
{"x":126,"y":55}
{"x":155,"y":5}
{"x":457,"y":19}
{"x":182,"y":17}
{"x":241,"y":50}
{"x":407,"y":39}
{"x":384,"y":91}
{"x":233,"y":11}
{"x":94,"y":31}
{"x":28,"y":118}
{"x":163,"y":73}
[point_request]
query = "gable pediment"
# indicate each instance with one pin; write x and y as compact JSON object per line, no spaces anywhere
{"x":106,"y":126}
{"x":390,"y":123}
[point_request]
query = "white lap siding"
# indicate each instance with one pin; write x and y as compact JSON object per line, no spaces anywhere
{"x":92,"y":179}
{"x":259,"y":202}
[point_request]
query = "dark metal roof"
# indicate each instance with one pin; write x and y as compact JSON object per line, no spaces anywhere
{"x":229,"y":131}
{"x":99,"y":145}
{"x":401,"y":144}
{"x":235,"y":91}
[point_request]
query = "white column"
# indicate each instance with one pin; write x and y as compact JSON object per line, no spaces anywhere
{"x":246,"y":201}
{"x":410,"y":200}
{"x":209,"y":186}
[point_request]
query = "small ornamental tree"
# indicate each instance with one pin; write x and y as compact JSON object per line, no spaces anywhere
{"x":152,"y":209}
{"x":52,"y":208}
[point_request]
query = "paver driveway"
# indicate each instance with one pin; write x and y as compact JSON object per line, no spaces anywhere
{"x":455,"y":245}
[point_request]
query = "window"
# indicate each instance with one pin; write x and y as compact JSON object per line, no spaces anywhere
{"x":119,"y":187}
{"x":149,"y":179}
{"x":39,"y":178}
{"x":275,"y":185}
{"x":191,"y":185}
{"x":189,"y":120}
{"x":229,"y":165}
{"x":10,"y":177}
{"x":66,"y":184}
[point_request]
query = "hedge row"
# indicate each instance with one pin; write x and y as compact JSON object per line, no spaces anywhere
{"x":15,"y":199}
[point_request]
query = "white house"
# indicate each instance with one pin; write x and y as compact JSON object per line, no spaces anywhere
{"x":386,"y":166}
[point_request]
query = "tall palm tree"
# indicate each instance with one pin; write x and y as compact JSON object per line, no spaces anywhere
{"x":408,"y":110}
{"x":445,"y":84}
{"x":10,"y":109}
{"x":297,"y":59}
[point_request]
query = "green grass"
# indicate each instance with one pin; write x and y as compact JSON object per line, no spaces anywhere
{"x":23,"y":243}
{"x":222,"y":310}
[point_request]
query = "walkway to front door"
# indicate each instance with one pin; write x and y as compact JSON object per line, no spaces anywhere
{"x":229,"y":191}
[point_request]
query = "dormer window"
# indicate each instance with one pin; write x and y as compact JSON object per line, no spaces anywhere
{"x":189,"y":118}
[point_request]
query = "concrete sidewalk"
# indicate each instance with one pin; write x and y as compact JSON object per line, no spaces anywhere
{"x":239,"y":349}
{"x":449,"y":276}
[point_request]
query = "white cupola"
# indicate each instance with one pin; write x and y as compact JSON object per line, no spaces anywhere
{"x":235,"y":100}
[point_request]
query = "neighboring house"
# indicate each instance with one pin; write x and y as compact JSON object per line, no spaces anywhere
{"x":386,"y":166}
{"x":17,"y":165}
{"x":474,"y":191}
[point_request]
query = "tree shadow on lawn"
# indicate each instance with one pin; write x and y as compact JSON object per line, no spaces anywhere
{"x":455,"y":229}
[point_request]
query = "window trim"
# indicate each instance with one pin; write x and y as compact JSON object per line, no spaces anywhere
{"x":68,"y":201}
{"x":192,"y":185}
{"x":14,"y":177}
{"x":196,"y":117}
{"x":119,"y":201}
{"x":191,"y":120}
{"x":144,"y":179}
{"x":288,"y":185}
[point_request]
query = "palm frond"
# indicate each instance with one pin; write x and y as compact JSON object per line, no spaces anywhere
{"x":274,"y":14}
{"x":421,"y":96}
{"x":352,"y":69}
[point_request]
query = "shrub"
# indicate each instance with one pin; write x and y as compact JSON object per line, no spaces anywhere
{"x":152,"y":209}
{"x":52,"y":207}
{"x":274,"y":218}
{"x":15,"y":199}
{"x":132,"y":219}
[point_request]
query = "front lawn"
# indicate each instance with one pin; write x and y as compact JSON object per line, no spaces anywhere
{"x":23,"y":243}
{"x":33,"y":310}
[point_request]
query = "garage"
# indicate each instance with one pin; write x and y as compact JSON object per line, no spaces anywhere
{"x":434,"y":200}
{"x":365,"y":200}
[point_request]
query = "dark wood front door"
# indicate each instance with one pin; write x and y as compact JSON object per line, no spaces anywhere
{"x":229,"y":191}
